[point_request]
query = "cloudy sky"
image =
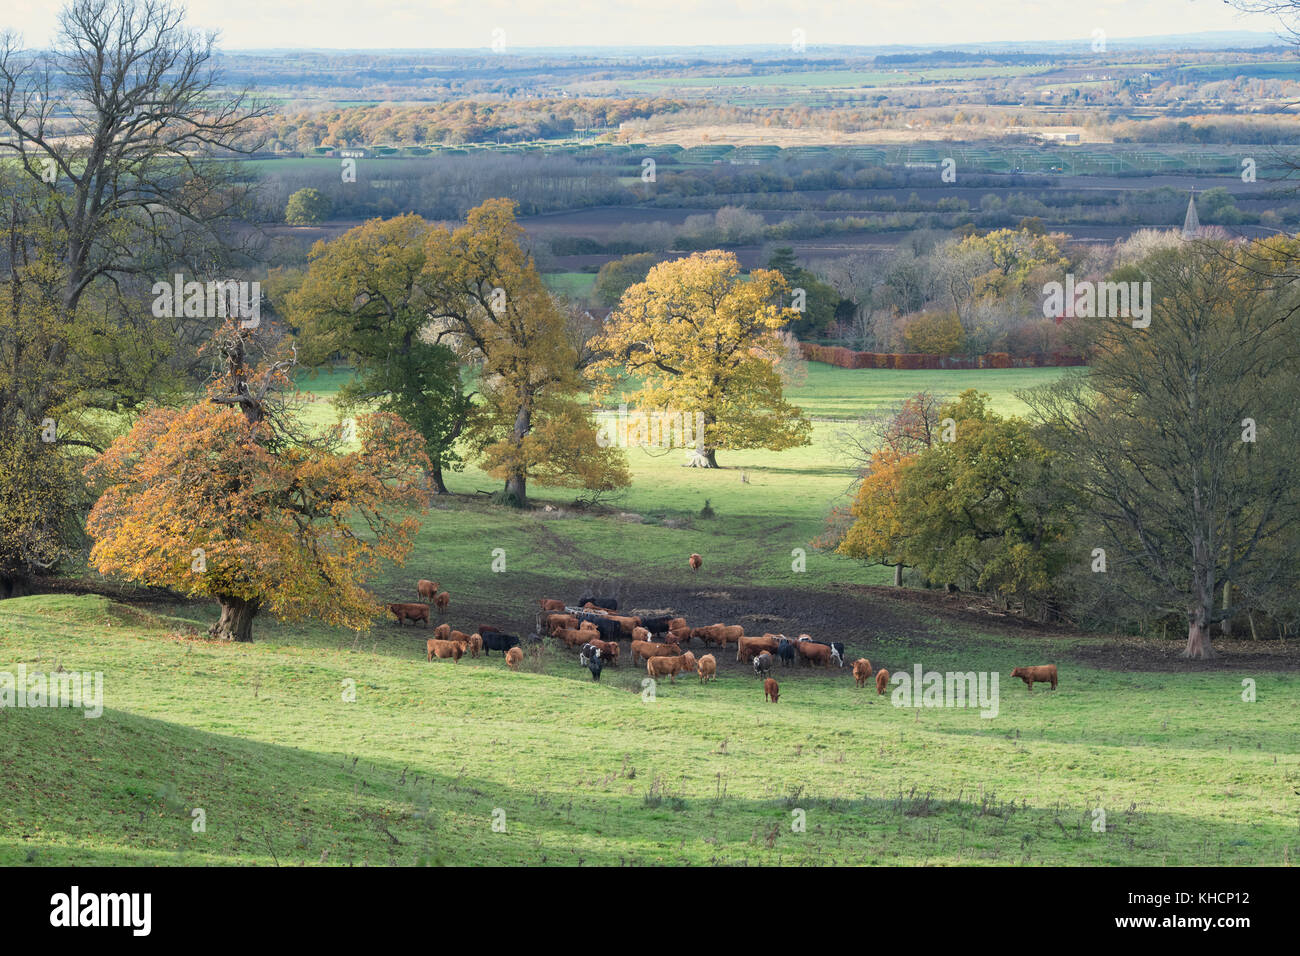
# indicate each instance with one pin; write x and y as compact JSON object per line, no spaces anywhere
{"x":408,"y":24}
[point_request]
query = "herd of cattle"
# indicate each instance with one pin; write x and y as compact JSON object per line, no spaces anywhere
{"x":594,"y":629}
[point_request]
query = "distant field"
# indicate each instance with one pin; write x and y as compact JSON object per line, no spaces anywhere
{"x":832,"y":79}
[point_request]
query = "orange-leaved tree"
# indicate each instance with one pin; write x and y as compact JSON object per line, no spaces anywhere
{"x":233,"y":499}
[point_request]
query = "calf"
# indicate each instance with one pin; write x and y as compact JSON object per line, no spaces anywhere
{"x":640,"y":634}
{"x":695,"y":561}
{"x":708,"y":668}
{"x":547,"y":604}
{"x":763,"y":664}
{"x":475,"y":644}
{"x":426,"y":590}
{"x":595,"y":666}
{"x":882,"y":680}
{"x":444,"y":649}
{"x":770,"y":690}
{"x":496,"y":641}
{"x":514,"y":657}
{"x":748,"y":647}
{"x":862,"y":671}
{"x":588,"y":653}
{"x":660,"y":666}
{"x":442,"y":632}
{"x":410,"y":612}
{"x":646,"y":650}
{"x":442,"y":600}
{"x":1042,"y":673}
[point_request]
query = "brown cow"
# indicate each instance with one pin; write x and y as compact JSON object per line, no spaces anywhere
{"x":627,"y":624}
{"x":573,"y":638}
{"x":748,"y":647}
{"x":444,"y":649}
{"x":426,"y":589}
{"x":718,"y":634}
{"x":608,"y":650}
{"x":1042,"y":673}
{"x":442,"y":632}
{"x":410,"y":612}
{"x":770,"y":690}
{"x":548,"y":604}
{"x":554,"y":622}
{"x":475,"y":644}
{"x":708,"y":668}
{"x":442,"y":599}
{"x":640,"y":634}
{"x":671,"y":665}
{"x":647,"y":650}
{"x":514,"y":657}
{"x":813,"y":653}
{"x":882,"y":680}
{"x":862,"y":671}
{"x":588,"y":626}
{"x":695,"y":562}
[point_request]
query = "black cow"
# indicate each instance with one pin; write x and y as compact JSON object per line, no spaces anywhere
{"x":587,"y":653}
{"x":594,"y":663}
{"x":609,"y":604}
{"x":763,"y":664}
{"x":496,"y":641}
{"x":656,"y":625}
{"x":607,"y":629}
{"x":785,"y":650}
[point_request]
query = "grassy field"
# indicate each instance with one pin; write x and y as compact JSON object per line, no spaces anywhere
{"x":428,"y":756}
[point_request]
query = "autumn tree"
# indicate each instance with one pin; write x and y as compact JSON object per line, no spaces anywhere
{"x":306,"y":207}
{"x":232,"y":499}
{"x":1180,"y":442}
{"x":706,"y":340}
{"x":362,"y":297}
{"x":486,"y":300}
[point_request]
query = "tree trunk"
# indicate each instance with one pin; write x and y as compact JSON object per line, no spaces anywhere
{"x":1225,"y":626}
{"x":898,"y":575}
{"x":703,"y":456}
{"x":1198,"y":633}
{"x":434,"y":476}
{"x":517,"y":485}
{"x":517,"y":480}
{"x":236,"y":622}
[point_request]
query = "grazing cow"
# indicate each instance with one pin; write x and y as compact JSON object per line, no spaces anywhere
{"x":695,"y":562}
{"x":426,"y":590}
{"x":763,"y":664}
{"x":514,"y":657}
{"x":496,"y":641}
{"x":837,"y":648}
{"x":647,"y":650}
{"x":771,"y":691}
{"x":410,"y":612}
{"x":1042,"y":673}
{"x":445,"y":649}
{"x":882,"y":680}
{"x":678,"y":637}
{"x":708,"y":668}
{"x":442,"y":600}
{"x":548,"y":604}
{"x":785,"y":650}
{"x":670,"y":666}
{"x":442,"y":632}
{"x":748,"y":647}
{"x":811,"y":652}
{"x":640,"y":634}
{"x":862,"y":671}
{"x":609,"y":604}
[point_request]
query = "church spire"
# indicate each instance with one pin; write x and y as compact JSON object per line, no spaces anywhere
{"x":1191,"y":224}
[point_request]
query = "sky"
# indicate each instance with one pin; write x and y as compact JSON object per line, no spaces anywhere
{"x":423,"y":24}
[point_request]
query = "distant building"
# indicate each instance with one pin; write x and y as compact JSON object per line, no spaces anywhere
{"x":1192,"y":222}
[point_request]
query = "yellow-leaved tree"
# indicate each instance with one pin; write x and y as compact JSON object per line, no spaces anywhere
{"x":706,"y":342}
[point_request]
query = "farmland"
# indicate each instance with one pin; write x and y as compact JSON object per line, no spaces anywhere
{"x":259,"y":737}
